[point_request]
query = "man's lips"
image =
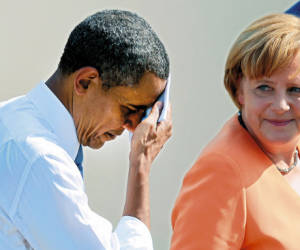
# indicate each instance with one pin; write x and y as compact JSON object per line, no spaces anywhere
{"x":113,"y":134}
{"x":279,"y":123}
{"x":110,"y":135}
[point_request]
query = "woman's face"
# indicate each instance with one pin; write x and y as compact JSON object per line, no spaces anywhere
{"x":271,"y":105}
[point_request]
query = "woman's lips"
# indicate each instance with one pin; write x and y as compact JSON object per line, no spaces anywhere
{"x":279,"y":123}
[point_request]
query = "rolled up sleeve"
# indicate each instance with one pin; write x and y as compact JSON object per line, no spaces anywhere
{"x":133,"y":234}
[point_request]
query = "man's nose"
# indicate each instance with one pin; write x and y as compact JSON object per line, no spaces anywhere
{"x":133,"y":120}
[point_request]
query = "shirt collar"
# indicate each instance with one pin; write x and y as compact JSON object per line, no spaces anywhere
{"x":57,"y":116}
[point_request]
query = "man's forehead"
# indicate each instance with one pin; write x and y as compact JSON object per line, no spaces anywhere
{"x":145,"y":93}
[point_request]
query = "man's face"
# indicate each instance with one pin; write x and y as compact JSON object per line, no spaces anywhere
{"x":101,"y":115}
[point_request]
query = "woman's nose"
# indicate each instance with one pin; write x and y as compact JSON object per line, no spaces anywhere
{"x":281,"y":104}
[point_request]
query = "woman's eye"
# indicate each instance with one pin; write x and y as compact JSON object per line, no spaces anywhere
{"x":264,"y":87}
{"x":294,"y":89}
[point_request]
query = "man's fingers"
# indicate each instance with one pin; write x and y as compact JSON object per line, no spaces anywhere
{"x":165,"y":126}
{"x":154,"y":114}
{"x":169,"y":112}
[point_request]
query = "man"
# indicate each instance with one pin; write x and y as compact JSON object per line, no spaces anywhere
{"x":113,"y":68}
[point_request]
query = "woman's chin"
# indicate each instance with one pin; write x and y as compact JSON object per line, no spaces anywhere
{"x":280,"y":139}
{"x":278,"y":135}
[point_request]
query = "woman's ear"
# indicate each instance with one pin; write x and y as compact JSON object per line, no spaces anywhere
{"x":240,"y":91}
{"x":84,"y":78}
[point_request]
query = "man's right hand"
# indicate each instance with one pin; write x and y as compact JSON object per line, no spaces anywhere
{"x":150,"y":136}
{"x":147,"y":141}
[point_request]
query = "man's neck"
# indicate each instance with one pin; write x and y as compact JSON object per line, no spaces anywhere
{"x":62,"y":88}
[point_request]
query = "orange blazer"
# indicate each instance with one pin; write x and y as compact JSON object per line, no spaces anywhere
{"x":235,"y":198}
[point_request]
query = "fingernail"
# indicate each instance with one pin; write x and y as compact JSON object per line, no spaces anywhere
{"x":159,"y":105}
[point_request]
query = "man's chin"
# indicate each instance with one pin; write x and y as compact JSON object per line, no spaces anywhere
{"x":94,"y":144}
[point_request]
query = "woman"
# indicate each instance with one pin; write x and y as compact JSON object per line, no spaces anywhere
{"x":243,"y":192}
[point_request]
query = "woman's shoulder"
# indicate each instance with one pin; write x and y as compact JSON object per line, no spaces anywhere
{"x":231,"y":138}
{"x":232,"y":153}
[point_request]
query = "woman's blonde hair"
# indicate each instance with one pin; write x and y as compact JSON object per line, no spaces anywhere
{"x":267,"y":45}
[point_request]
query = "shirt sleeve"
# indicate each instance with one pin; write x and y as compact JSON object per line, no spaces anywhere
{"x":210,"y":211}
{"x":52,"y":211}
{"x":136,"y":234}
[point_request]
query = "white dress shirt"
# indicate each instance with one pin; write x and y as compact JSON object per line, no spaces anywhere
{"x":42,"y":200}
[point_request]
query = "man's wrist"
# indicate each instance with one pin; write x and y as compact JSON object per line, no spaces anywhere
{"x":140,"y":165}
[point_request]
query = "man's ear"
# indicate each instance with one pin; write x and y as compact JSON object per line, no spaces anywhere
{"x":84,"y":78}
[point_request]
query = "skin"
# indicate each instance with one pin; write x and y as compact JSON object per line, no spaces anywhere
{"x":102,"y":114}
{"x":271,"y":112}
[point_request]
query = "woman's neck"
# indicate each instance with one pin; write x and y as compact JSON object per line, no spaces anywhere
{"x":280,"y":155}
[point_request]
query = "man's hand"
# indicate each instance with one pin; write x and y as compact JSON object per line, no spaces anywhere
{"x":147,"y":140}
{"x":149,"y":137}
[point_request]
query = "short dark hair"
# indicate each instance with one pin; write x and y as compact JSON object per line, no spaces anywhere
{"x":119,"y":44}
